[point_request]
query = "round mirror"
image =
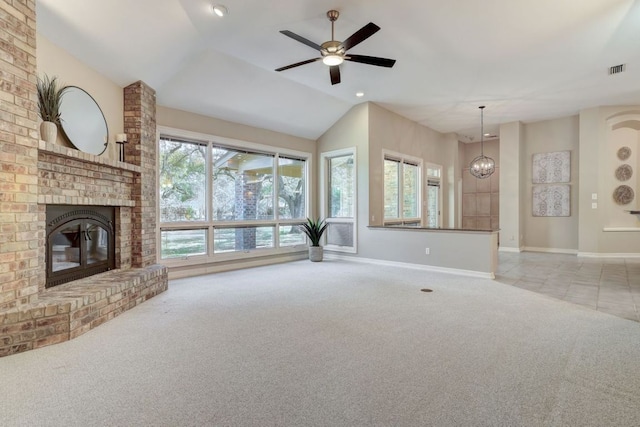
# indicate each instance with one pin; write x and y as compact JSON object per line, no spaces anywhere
{"x":82,"y":121}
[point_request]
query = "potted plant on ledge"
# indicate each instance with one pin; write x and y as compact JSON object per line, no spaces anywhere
{"x":314,"y":229}
{"x":49,"y":98}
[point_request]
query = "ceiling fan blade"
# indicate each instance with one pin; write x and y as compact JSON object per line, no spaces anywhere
{"x":297,"y":64}
{"x":301,"y":39}
{"x":361,"y":35}
{"x":334,"y":72}
{"x":371,"y":60}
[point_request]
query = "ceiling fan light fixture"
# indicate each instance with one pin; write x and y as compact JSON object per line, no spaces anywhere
{"x":334,"y":52}
{"x":220,"y":10}
{"x":332,"y":59}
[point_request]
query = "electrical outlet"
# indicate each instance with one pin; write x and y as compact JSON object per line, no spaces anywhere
{"x":373,"y":218}
{"x":594,"y":196}
{"x":594,"y":206}
{"x":427,"y":251}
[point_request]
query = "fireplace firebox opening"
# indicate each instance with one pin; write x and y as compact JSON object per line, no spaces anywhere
{"x":80,"y":242}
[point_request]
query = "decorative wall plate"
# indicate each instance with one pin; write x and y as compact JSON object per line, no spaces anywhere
{"x":623,"y":195}
{"x":624,"y":153}
{"x":624,"y":172}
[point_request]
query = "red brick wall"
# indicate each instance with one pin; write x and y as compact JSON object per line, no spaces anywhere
{"x":21,"y":229}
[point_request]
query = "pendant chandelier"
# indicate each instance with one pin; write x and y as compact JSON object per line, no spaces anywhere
{"x":482,"y":166}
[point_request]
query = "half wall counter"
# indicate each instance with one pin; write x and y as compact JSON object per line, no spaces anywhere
{"x":457,"y":251}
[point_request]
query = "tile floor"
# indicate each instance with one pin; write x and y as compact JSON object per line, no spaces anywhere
{"x":610,"y":285}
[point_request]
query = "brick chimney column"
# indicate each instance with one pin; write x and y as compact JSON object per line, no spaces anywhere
{"x":141,"y":150}
{"x":21,"y":229}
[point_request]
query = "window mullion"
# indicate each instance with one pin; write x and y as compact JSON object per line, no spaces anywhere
{"x":401,"y":190}
{"x":209,"y":200}
{"x":275,"y":199}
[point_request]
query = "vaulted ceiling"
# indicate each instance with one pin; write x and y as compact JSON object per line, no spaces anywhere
{"x":525,"y":60}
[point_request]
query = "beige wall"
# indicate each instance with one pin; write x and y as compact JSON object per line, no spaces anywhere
{"x":472,"y":150}
{"x":55,"y":61}
{"x":551,"y":233}
{"x":351,"y":131}
{"x":371,"y":129}
{"x":624,"y":136}
{"x":211,"y":126}
{"x":607,"y":229}
{"x":593,"y":138}
{"x":511,"y":186}
{"x":390,"y":131}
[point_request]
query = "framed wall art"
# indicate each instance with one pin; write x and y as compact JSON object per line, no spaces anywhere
{"x":552,"y":167}
{"x":551,"y":200}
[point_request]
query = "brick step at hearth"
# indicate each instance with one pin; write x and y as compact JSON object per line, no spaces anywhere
{"x":67,"y":311}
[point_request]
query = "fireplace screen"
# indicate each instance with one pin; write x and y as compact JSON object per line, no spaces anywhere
{"x":80,"y":242}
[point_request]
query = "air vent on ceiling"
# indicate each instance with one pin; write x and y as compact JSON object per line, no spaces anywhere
{"x":617,"y":69}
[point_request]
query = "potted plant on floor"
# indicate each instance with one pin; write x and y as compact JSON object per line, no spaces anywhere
{"x":314,"y":229}
{"x":49,"y":99}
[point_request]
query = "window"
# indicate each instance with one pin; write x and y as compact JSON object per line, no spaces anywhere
{"x":242,"y":185}
{"x":341,"y":186}
{"x":402,"y":189}
{"x":230,"y":239}
{"x":433,"y":205}
{"x":183,"y":243}
{"x":182,"y":181}
{"x":220,"y":199}
{"x":291,"y":188}
{"x":434,"y":218}
{"x":410,"y":191}
{"x":391,"y":188}
{"x":339,"y":190}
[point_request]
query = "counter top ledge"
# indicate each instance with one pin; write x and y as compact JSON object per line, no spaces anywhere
{"x":430,"y":229}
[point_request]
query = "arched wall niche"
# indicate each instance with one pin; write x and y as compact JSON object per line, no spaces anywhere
{"x":623,"y":130}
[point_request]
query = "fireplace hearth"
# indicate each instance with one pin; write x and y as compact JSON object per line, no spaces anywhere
{"x":80,"y":242}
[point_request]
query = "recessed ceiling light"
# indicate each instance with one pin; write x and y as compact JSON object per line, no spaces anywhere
{"x":359,"y":94}
{"x":220,"y":10}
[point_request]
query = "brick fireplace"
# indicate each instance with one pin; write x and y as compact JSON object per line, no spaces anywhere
{"x":34,"y":174}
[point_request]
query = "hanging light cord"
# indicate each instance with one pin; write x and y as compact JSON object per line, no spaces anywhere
{"x":481,"y":130}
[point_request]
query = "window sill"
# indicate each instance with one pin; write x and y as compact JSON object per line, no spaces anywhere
{"x":221,"y":258}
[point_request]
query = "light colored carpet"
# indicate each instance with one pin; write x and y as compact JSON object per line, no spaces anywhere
{"x":335,"y":344}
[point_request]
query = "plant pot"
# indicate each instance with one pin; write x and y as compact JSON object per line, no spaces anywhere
{"x":315,"y":253}
{"x":48,"y":132}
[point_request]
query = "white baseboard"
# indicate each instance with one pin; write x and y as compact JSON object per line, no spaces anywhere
{"x":608,"y":255}
{"x":551,"y":250}
{"x":506,"y":249}
{"x":469,"y":273}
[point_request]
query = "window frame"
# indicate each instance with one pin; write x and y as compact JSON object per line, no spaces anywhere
{"x":414,"y":161}
{"x":325,"y":158}
{"x":433,"y":178}
{"x":209,"y":223}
